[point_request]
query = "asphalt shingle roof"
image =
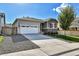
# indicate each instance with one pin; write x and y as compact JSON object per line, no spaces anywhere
{"x":30,"y":18}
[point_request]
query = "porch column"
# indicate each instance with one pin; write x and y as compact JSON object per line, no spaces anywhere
{"x":53,"y":25}
{"x":47,"y":26}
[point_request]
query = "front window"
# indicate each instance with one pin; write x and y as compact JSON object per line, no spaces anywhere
{"x":51,"y":25}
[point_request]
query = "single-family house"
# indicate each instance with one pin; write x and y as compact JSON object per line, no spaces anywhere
{"x":28,"y":25}
{"x":2,"y":21}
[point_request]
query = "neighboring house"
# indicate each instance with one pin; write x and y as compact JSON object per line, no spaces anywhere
{"x":75,"y":24}
{"x":49,"y":26}
{"x":2,"y":21}
{"x":27,"y":25}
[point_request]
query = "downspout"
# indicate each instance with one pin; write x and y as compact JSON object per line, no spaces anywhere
{"x":19,"y":25}
{"x":47,"y":30}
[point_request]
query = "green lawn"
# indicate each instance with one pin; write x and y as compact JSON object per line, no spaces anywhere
{"x":1,"y":38}
{"x":68,"y":38}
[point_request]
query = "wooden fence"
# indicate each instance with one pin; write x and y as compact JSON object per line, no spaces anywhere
{"x":69,"y":32}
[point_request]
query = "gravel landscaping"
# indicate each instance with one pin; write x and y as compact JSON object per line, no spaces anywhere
{"x":9,"y":46}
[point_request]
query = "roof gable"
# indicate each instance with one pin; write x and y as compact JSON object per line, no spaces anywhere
{"x":51,"y":20}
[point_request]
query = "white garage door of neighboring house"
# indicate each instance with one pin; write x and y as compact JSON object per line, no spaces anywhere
{"x":29,"y":29}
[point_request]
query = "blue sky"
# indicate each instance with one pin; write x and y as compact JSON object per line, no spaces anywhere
{"x":37,"y":10}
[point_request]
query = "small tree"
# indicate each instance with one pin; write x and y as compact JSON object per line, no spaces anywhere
{"x":66,"y":17}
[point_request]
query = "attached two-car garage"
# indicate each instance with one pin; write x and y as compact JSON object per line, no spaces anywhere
{"x":27,"y":27}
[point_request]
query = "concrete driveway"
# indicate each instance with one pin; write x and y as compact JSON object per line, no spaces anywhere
{"x":56,"y":47}
{"x":37,"y":36}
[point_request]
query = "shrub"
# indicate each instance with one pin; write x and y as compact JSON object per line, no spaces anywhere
{"x":70,"y":38}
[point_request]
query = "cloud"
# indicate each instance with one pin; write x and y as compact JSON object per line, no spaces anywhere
{"x":63,"y":5}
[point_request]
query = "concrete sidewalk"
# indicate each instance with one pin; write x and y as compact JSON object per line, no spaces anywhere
{"x":33,"y":52}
